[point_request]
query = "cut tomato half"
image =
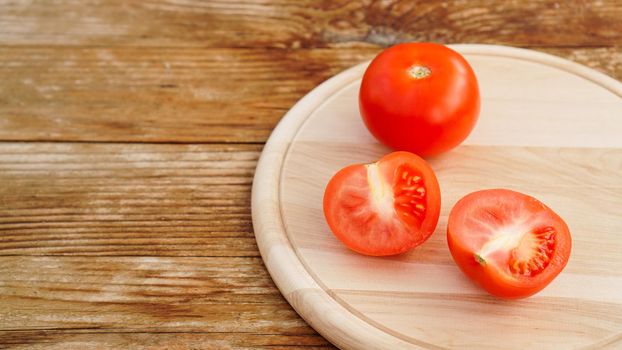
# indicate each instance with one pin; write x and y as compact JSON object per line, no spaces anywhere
{"x":383,"y":208}
{"x":509,"y":243}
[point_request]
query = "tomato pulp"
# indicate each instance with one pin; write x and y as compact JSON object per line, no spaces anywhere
{"x":510,"y":244}
{"x":383,"y":208}
{"x":419,"y":97}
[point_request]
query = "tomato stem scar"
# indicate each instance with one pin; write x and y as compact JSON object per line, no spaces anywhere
{"x":419,"y":72}
{"x":480,"y":260}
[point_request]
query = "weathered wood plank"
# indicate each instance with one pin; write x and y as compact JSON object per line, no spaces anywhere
{"x":160,"y":95}
{"x":143,"y":207}
{"x":146,"y":294}
{"x":126,"y":199}
{"x":309,"y":23}
{"x":62,"y":340}
{"x":175,"y":95}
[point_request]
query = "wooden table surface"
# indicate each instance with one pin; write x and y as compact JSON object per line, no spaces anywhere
{"x":130,"y":130}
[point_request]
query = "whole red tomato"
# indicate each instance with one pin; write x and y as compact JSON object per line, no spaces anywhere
{"x":419,"y":97}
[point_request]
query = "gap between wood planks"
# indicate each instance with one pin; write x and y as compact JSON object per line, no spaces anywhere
{"x":216,"y":143}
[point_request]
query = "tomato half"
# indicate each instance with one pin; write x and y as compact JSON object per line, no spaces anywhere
{"x":419,"y":97}
{"x":509,"y":243}
{"x":383,"y":208}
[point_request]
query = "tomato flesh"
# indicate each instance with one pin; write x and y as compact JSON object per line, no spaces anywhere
{"x":510,"y":244}
{"x":383,"y":208}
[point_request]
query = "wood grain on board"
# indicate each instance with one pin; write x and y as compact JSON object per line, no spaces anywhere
{"x":532,"y":136}
{"x":175,"y":94}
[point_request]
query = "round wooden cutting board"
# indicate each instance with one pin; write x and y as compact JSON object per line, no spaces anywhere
{"x":548,"y":127}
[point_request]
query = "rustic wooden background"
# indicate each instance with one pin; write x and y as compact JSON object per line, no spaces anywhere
{"x":129,"y":132}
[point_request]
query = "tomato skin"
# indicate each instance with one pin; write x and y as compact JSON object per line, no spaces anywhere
{"x":354,"y":217}
{"x":426,"y":116}
{"x":486,"y":276}
{"x":492,"y":278}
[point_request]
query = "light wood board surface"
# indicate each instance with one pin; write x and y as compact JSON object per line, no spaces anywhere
{"x":548,"y":127}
